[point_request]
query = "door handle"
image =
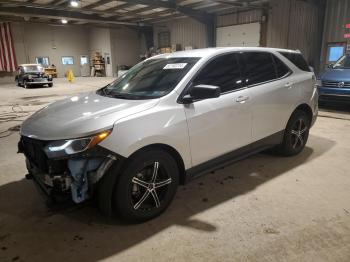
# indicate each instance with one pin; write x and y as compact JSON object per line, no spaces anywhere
{"x":242,"y":99}
{"x":289,"y":84}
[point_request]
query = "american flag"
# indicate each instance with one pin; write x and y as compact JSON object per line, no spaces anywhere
{"x":8,"y":61}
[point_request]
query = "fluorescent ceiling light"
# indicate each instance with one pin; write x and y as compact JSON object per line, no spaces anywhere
{"x":64,"y":21}
{"x":74,"y":3}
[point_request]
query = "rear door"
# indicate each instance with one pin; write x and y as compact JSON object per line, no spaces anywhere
{"x":219,"y":125}
{"x":273,"y":95}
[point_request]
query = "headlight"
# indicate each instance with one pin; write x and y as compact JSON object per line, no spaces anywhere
{"x":30,"y":77}
{"x":318,"y":83}
{"x":63,"y":148}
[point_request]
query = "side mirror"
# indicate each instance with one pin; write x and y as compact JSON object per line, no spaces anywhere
{"x":200,"y":92}
{"x":331,"y":66}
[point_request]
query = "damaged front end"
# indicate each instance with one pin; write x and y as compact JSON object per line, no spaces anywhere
{"x":68,"y":169}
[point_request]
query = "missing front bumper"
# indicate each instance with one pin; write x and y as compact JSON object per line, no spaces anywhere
{"x":77,"y":183}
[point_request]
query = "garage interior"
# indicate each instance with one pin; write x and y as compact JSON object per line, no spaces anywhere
{"x":263,"y":208}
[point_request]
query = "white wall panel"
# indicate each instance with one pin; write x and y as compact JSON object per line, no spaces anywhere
{"x":238,"y":35}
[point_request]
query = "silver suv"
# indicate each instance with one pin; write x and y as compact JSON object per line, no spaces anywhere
{"x":166,"y":121}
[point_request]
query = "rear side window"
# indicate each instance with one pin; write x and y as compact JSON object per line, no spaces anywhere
{"x":258,"y":67}
{"x":297,"y":59}
{"x":222,"y":71}
{"x":281,"y":69}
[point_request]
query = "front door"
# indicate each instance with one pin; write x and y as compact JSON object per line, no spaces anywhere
{"x":84,"y":65}
{"x":219,"y":125}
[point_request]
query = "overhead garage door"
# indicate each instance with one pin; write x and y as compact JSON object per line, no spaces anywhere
{"x":238,"y":35}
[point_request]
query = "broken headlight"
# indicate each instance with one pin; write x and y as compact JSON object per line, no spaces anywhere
{"x":63,"y":148}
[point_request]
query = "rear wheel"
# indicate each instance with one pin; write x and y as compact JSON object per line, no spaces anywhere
{"x":296,"y":134}
{"x":147,"y":186}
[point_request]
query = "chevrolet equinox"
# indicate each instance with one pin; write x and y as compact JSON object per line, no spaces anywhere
{"x":167,"y":120}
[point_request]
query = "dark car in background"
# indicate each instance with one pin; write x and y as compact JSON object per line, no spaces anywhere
{"x":32,"y":74}
{"x":334,"y":83}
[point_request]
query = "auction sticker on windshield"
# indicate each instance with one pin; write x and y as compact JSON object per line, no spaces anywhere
{"x":175,"y":66}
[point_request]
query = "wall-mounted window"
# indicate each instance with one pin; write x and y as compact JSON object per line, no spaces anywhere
{"x":335,"y":51}
{"x":43,"y":61}
{"x":67,"y":60}
{"x":84,"y":60}
{"x":163,"y":39}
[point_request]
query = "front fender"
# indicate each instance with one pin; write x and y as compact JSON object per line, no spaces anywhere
{"x":158,"y":125}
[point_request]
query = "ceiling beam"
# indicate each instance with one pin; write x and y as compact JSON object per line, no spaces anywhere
{"x":200,"y":16}
{"x":61,"y":8}
{"x":59,"y":3}
{"x":238,"y":3}
{"x":98,"y":3}
{"x":59,"y":14}
{"x":118,"y":7}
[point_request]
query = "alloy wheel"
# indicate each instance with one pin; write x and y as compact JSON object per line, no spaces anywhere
{"x":149,"y":187}
{"x":299,"y":133}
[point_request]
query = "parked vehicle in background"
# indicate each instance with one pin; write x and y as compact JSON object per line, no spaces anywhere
{"x":32,"y":74}
{"x":167,"y":120}
{"x":334,"y":83}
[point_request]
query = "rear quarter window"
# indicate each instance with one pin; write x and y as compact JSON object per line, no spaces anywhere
{"x":297,"y":59}
{"x":281,"y":69}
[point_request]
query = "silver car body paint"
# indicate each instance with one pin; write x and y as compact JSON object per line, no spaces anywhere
{"x":195,"y":131}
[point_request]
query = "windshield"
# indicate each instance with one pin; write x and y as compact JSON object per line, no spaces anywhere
{"x":343,"y":62}
{"x":150,"y":79}
{"x":33,"y":68}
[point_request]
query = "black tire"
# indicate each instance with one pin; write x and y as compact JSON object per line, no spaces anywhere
{"x":50,"y":85}
{"x":295,"y":135}
{"x":135,"y":195}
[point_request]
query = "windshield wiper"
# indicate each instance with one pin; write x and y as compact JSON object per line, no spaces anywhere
{"x":127,"y":96}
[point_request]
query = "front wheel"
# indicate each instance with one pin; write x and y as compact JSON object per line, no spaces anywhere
{"x":25,"y":84}
{"x":147,"y":186}
{"x":296,"y":134}
{"x":50,"y":85}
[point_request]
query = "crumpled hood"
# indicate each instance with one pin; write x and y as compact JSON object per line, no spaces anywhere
{"x":80,"y":116}
{"x":337,"y":75}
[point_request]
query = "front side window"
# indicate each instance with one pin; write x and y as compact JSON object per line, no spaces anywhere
{"x":150,"y":79}
{"x":223,"y":71}
{"x":343,"y":62}
{"x":258,"y":67}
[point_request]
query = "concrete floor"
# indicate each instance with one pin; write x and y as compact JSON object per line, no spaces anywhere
{"x":264,"y":208}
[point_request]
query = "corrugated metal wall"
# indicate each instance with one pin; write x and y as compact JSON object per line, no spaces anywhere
{"x":186,"y":31}
{"x":293,"y":24}
{"x":246,"y":17}
{"x":189,"y":32}
{"x":296,"y":24}
{"x":337,"y":15}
